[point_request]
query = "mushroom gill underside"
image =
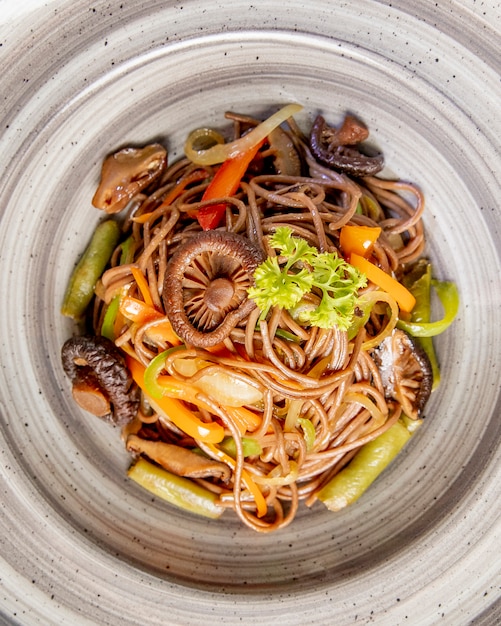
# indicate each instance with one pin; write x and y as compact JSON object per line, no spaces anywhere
{"x":405,"y":371}
{"x":213,"y":286}
{"x":205,"y":288}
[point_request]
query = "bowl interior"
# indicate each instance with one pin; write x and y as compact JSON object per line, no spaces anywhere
{"x":76,"y":466}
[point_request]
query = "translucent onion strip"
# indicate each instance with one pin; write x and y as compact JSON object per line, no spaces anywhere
{"x":274,"y":478}
{"x":220,"y":152}
{"x":381,"y":296}
{"x":362,"y":400}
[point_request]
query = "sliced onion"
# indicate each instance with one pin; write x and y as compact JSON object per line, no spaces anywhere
{"x":220,"y":152}
{"x":361,"y":399}
{"x":203,"y":139}
{"x":221,"y":385}
{"x":275,"y":479}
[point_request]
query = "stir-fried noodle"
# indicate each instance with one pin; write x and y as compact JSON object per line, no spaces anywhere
{"x":312,"y":396}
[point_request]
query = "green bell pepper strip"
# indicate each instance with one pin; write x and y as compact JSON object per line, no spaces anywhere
{"x":285,"y":334}
{"x":449,"y":297}
{"x":420,"y":325}
{"x":128,"y":249}
{"x":177,"y":490}
{"x":308,"y":431}
{"x":89,"y":269}
{"x":154,"y":369}
{"x":361,"y":320}
{"x":419,"y":283}
{"x":372,"y":458}
{"x":108,"y":325}
{"x":250,"y":447}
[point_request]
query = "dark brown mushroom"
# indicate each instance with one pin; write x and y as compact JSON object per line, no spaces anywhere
{"x":102,"y":384}
{"x":337,"y":147}
{"x":126,"y":173}
{"x":405,"y":372}
{"x":178,"y":460}
{"x":205,"y":288}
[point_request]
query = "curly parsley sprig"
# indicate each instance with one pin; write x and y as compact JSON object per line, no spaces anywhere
{"x":298,"y":269}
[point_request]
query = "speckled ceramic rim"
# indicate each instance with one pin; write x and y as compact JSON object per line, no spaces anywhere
{"x":81,"y":544}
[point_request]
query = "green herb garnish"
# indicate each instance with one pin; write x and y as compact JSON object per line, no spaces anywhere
{"x":300,"y":268}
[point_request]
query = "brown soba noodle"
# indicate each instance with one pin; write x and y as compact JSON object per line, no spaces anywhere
{"x":295,"y":401}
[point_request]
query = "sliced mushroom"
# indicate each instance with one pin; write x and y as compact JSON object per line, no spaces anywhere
{"x":126,"y":173}
{"x":205,"y":288}
{"x":336,"y":147}
{"x":285,"y":156}
{"x":405,"y":372}
{"x":102,"y":384}
{"x":178,"y":460}
{"x":88,"y":394}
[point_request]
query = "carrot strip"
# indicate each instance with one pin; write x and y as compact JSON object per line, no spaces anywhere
{"x":193,"y":177}
{"x":143,"y":218}
{"x":256,"y":493}
{"x":138,"y":311}
{"x":220,"y":350}
{"x":142,"y":284}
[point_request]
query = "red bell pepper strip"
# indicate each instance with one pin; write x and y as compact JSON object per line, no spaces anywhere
{"x":225,"y":183}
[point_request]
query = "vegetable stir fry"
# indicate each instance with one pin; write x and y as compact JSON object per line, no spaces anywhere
{"x":256,"y":318}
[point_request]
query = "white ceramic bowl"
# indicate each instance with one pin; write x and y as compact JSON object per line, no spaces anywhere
{"x":80,"y":544}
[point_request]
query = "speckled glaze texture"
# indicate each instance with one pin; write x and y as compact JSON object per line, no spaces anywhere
{"x":80,"y":544}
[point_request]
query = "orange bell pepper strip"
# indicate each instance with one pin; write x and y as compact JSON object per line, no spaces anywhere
{"x":245,"y":420}
{"x":375,"y":274}
{"x":139,"y":312}
{"x":225,"y":183}
{"x":177,"y":412}
{"x":358,"y":239}
{"x":163,"y":332}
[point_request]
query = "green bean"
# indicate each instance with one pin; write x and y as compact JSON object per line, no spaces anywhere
{"x":89,"y":269}
{"x":372,"y":458}
{"x":177,"y":490}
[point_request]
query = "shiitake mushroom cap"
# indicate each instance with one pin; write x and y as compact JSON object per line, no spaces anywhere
{"x":406,"y":372}
{"x":102,"y":383}
{"x":205,"y":286}
{"x":338,"y":148}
